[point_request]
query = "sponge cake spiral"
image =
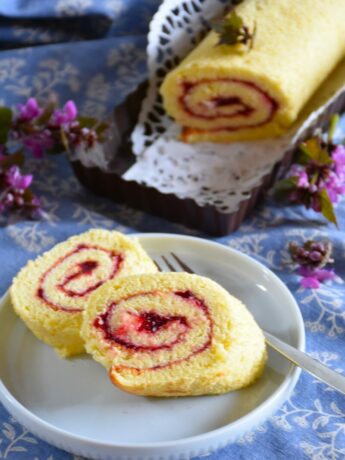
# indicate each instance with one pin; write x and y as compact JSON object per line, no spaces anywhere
{"x":50,"y":293}
{"x":172,"y":334}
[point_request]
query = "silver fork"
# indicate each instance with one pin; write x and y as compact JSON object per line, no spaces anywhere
{"x":172,"y":262}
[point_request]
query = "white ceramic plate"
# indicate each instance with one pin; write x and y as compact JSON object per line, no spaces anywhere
{"x":72,"y":404}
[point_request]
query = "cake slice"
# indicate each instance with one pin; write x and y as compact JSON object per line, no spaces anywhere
{"x":50,"y":293}
{"x":173,"y":334}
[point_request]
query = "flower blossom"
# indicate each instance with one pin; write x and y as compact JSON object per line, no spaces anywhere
{"x":68,"y":114}
{"x":17,"y":180}
{"x":311,"y":278}
{"x":14,"y":191}
{"x":312,"y":257}
{"x":29,"y":111}
{"x":38,"y":143}
{"x":38,"y":130}
{"x":319,"y":181}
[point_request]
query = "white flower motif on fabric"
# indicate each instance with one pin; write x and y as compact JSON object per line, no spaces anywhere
{"x":270,"y":216}
{"x":10,"y":69}
{"x":16,"y":440}
{"x":324,"y":418}
{"x":124,"y":54}
{"x":251,"y":436}
{"x":127,"y":58}
{"x":326,"y":358}
{"x":249,"y":244}
{"x":57,"y":187}
{"x":115,"y":6}
{"x":97,"y":93}
{"x":42,"y":167}
{"x":254,"y":246}
{"x":34,"y":236}
{"x":329,"y":309}
{"x":33,"y":35}
{"x":13,"y":79}
{"x":30,"y":238}
{"x":92,"y":217}
{"x":72,"y":7}
{"x":51,"y":73}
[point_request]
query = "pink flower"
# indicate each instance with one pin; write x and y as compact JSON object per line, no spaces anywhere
{"x":338,"y":156}
{"x":300,"y":173}
{"x":303,"y":180}
{"x":38,"y":143}
{"x":310,"y":282}
{"x":312,"y":277}
{"x":16,"y":180}
{"x":66,"y":115}
{"x":70,"y":110}
{"x":29,"y":110}
{"x":36,"y":210}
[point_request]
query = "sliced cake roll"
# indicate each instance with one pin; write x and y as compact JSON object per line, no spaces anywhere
{"x":173,"y":334}
{"x":50,"y":293}
{"x":224,"y":93}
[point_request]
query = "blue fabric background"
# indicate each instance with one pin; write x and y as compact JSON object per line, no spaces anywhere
{"x":104,"y":63}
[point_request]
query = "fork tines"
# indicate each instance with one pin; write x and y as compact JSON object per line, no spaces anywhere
{"x":171,"y":262}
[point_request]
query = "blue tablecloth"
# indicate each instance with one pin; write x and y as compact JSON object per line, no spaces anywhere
{"x":105,"y":62}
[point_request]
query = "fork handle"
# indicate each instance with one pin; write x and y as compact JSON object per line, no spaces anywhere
{"x":301,"y":359}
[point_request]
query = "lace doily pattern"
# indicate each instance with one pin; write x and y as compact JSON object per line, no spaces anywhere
{"x":176,"y":29}
{"x":221,"y":178}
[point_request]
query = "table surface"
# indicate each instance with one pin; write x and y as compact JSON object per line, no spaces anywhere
{"x":35,"y":60}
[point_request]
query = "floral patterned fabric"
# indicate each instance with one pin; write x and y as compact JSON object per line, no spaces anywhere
{"x":104,"y":63}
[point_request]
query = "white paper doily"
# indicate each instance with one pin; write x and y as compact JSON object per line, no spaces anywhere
{"x":221,"y":177}
{"x":176,"y":28}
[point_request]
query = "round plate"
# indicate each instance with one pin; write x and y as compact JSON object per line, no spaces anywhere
{"x":72,"y":404}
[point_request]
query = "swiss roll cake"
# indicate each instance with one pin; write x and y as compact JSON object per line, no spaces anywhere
{"x":172,"y":334}
{"x":224,"y":93}
{"x":50,"y":293}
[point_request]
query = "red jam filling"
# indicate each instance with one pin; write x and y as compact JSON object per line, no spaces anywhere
{"x":243,"y":111}
{"x":146,"y":322}
{"x":79,"y":270}
{"x":152,"y":322}
{"x":149,"y":322}
{"x":221,"y":101}
{"x":192,"y":298}
{"x":82,"y":269}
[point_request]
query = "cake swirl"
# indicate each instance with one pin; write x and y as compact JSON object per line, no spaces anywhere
{"x":228,"y":104}
{"x":137,"y":323}
{"x":50,"y":293}
{"x":172,"y":334}
{"x":76,"y":274}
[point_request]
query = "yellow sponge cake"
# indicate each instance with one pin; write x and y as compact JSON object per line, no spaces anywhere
{"x":50,"y":293}
{"x":224,"y":93}
{"x":172,"y":334}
